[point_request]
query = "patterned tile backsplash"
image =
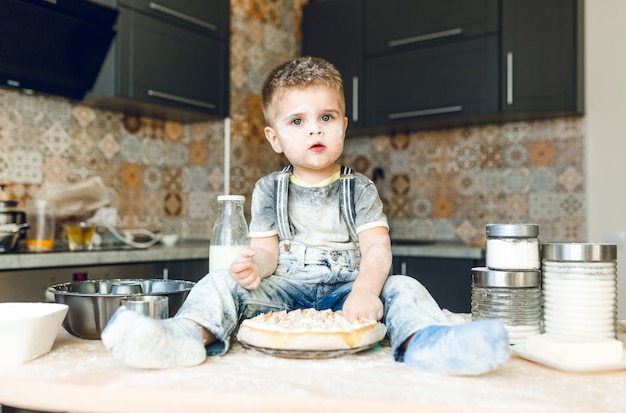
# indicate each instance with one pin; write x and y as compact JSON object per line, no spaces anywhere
{"x":165,"y":176}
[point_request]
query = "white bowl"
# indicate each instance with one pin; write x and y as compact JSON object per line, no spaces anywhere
{"x":169,"y":239}
{"x":28,"y":330}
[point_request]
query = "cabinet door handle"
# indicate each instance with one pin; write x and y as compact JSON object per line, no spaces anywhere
{"x":180,"y":99}
{"x":424,"y":37}
{"x":182,"y":16}
{"x":403,"y":268}
{"x":425,"y":112}
{"x":509,"y":78}
{"x":355,"y":98}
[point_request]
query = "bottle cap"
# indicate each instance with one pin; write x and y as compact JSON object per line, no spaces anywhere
{"x":240,"y":198}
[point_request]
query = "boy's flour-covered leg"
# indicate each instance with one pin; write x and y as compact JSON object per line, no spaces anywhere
{"x":144,"y":342}
{"x":438,"y":347}
{"x":176,"y":342}
{"x":466,"y":349}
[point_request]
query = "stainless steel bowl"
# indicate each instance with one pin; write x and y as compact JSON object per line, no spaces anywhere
{"x":91,"y":303}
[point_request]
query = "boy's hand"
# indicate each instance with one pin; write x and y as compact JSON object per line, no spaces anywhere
{"x":362,"y":304}
{"x":244,"y":271}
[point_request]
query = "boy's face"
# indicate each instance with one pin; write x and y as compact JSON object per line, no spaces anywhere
{"x":308,"y":125}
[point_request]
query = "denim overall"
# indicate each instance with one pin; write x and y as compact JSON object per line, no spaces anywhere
{"x":307,"y":277}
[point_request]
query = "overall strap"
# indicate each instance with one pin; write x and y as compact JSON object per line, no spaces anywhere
{"x":282,"y":213}
{"x":347,"y":200}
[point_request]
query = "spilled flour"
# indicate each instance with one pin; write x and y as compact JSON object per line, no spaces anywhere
{"x":370,"y":377}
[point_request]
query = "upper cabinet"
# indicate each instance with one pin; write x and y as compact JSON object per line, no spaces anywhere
{"x":169,"y":60}
{"x":394,"y":25}
{"x":333,"y":30}
{"x":425,"y":63}
{"x":542,"y":56}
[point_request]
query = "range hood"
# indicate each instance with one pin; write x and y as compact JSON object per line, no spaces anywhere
{"x":54,"y":46}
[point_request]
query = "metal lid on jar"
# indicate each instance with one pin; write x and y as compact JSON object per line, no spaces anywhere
{"x":579,"y":252}
{"x":512,"y":230}
{"x":486,"y":277}
{"x":236,"y":198}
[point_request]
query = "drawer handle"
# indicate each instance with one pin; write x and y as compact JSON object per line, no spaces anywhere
{"x":181,"y":99}
{"x":355,"y":98}
{"x":509,"y":78}
{"x":425,"y":112}
{"x":426,"y":37}
{"x":182,"y":16}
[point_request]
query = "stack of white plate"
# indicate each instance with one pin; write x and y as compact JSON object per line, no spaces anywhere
{"x":580,"y":298}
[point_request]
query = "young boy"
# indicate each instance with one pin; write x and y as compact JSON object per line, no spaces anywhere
{"x":320,"y":249}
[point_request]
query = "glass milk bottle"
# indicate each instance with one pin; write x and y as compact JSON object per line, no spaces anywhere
{"x":230,"y":232}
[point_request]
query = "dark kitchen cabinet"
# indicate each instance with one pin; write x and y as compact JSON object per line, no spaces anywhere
{"x":424,"y":63}
{"x":541,"y":56}
{"x":443,"y":80}
{"x":334,"y":30}
{"x":169,"y":60}
{"x":397,"y":24}
{"x":210,"y":15}
{"x":449,"y":280}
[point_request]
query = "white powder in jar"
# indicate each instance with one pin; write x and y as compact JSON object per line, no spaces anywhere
{"x":512,"y":253}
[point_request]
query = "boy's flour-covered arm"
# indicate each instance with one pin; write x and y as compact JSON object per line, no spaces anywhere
{"x":364,"y":299}
{"x":255,"y":262}
{"x":375,"y":247}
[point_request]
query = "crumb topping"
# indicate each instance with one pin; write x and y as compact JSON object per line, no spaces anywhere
{"x":308,"y":320}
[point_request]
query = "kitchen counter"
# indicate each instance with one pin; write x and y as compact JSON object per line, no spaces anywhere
{"x":436,"y":250}
{"x":183,"y":250}
{"x":195,"y":249}
{"x":82,"y":376}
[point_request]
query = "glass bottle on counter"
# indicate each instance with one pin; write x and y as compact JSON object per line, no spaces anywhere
{"x":230,"y":232}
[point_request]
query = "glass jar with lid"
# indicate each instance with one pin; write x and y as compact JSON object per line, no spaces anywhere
{"x":511,"y":296}
{"x":512,"y":247}
{"x":580,"y":289}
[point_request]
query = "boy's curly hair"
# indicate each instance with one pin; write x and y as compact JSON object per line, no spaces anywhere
{"x":300,"y":72}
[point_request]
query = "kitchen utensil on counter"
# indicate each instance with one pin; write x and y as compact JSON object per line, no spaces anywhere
{"x":155,"y":306}
{"x":92,"y":302}
{"x":40,"y":214}
{"x":580,"y":289}
{"x":169,"y":240}
{"x":10,"y":214}
{"x":130,"y":236}
{"x":28,"y":330}
{"x":10,"y":235}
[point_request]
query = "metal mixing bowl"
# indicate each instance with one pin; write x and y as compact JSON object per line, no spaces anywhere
{"x":92,"y":303}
